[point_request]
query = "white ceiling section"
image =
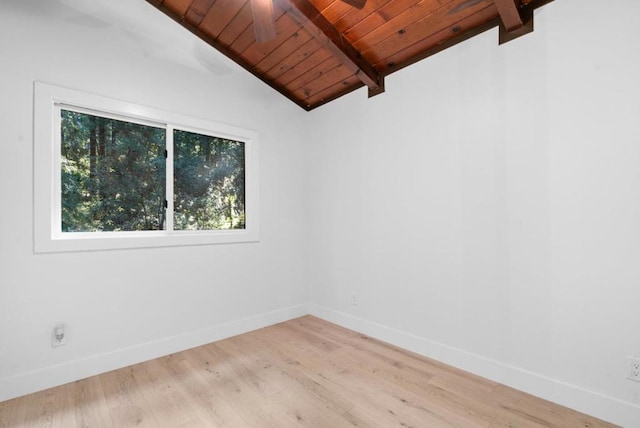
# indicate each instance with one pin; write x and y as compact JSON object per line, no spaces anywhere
{"x":133,"y":23}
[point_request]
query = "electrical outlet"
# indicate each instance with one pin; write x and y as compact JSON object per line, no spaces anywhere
{"x":58,"y":336}
{"x":354,"y":298}
{"x":634,"y":368}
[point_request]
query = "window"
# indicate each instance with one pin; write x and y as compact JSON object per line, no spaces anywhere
{"x":112,"y":175}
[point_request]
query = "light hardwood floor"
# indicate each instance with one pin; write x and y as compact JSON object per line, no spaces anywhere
{"x":301,"y":373}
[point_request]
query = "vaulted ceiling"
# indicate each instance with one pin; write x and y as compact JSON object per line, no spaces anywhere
{"x":314,"y":51}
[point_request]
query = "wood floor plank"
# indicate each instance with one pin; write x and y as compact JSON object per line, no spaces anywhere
{"x":340,"y":371}
{"x":212,"y":409}
{"x":242,"y":392}
{"x":165,"y":400}
{"x":127,"y":405}
{"x":513,"y":404}
{"x":304,"y":376}
{"x":86,"y":399}
{"x":319,"y":405}
{"x":196,"y":423}
{"x":302,"y":408}
{"x":305,"y":373}
{"x":49,"y":409}
{"x":12,"y":412}
{"x":418,"y":375}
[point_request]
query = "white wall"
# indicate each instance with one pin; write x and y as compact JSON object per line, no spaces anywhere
{"x":125,"y":306}
{"x":486,"y":208}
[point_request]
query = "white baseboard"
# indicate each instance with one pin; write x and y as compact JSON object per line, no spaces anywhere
{"x":608,"y":408}
{"x":601,"y":406}
{"x":26,"y":383}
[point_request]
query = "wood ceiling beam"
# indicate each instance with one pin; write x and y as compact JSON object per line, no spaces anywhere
{"x":509,"y":14}
{"x":528,"y":10}
{"x":505,"y":35}
{"x":322,"y":30}
{"x":525,"y":15}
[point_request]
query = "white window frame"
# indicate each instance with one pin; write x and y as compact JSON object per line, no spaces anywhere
{"x":48,"y":234}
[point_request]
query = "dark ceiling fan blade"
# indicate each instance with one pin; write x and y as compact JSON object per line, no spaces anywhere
{"x":359,"y":4}
{"x":263,"y":20}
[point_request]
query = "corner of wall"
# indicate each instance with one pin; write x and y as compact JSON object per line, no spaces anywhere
{"x":598,"y":405}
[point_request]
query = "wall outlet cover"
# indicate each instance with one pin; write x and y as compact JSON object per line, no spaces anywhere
{"x":58,"y":336}
{"x":633,"y":372}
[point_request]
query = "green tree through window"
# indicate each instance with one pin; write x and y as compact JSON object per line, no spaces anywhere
{"x":113,"y":174}
{"x":208,"y":182}
{"x":113,"y":177}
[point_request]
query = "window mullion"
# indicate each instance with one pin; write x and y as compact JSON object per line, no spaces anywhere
{"x":169,"y":179}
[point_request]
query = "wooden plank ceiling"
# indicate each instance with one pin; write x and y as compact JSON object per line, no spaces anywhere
{"x":323,"y":49}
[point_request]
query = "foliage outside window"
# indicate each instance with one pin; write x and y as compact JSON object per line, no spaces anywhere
{"x":112,"y":174}
{"x":122,"y":180}
{"x":209,"y":182}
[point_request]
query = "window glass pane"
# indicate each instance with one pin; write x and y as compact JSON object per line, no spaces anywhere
{"x":113,"y":174}
{"x":209,"y":187}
